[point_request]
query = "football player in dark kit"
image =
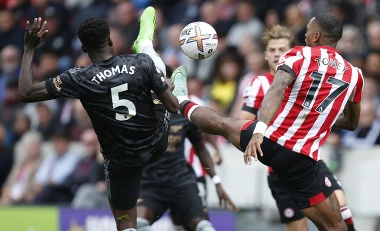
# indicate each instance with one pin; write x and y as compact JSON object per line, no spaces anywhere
{"x":116,"y":93}
{"x":170,"y":182}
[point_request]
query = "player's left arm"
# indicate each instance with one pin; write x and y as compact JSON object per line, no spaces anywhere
{"x":349,"y":118}
{"x":271,"y":103}
{"x":206,"y":161}
{"x":28,"y":90}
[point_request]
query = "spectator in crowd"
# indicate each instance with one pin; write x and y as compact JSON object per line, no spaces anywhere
{"x":371,"y":66}
{"x":172,"y":55}
{"x":352,"y":44}
{"x":47,"y":66}
{"x":125,"y":16}
{"x":20,"y":185}
{"x":223,"y":90}
{"x":367,"y":134}
{"x":247,"y":25}
{"x":10,"y":32}
{"x":119,"y":40}
{"x":90,"y":189}
{"x":10,"y":104}
{"x":371,"y":91}
{"x":6,"y":157}
{"x":10,"y":61}
{"x":255,"y":65}
{"x":47,"y":124}
{"x":296,"y":21}
{"x":21,"y":124}
{"x":373,"y":35}
{"x":58,"y":41}
{"x":87,"y":169}
{"x":54,"y":170}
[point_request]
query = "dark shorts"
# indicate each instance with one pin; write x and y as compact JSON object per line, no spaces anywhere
{"x":307,"y":183}
{"x":123,"y":184}
{"x":184,"y":202}
{"x":286,"y":207}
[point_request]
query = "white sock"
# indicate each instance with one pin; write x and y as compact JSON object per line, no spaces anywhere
{"x":146,"y":47}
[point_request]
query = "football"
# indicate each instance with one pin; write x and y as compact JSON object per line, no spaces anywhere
{"x":198,"y":40}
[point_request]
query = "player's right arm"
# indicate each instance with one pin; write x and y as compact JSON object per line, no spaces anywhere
{"x":27,"y":90}
{"x":169,"y":101}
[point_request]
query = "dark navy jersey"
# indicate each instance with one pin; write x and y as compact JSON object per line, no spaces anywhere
{"x":172,"y":168}
{"x":116,"y":94}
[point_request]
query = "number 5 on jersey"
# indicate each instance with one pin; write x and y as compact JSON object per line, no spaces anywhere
{"x":117,"y":102}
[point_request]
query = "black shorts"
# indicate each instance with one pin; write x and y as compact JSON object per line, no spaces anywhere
{"x":285,"y":205}
{"x":123,"y":184}
{"x":308,"y":184}
{"x":184,"y":202}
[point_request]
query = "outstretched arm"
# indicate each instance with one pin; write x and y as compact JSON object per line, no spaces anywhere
{"x":271,"y":103}
{"x":28,"y":90}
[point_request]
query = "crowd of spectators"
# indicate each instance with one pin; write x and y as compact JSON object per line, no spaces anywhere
{"x":30,"y":175}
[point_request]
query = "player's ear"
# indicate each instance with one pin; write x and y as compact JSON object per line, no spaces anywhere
{"x":317,"y":37}
{"x":110,"y":43}
{"x":84,"y":49}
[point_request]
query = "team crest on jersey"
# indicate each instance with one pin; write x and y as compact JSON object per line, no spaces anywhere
{"x":175,"y":128}
{"x":57,"y":82}
{"x":157,"y":101}
{"x":288,"y":212}
{"x":327,"y":182}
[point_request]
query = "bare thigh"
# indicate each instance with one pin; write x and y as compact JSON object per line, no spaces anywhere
{"x":326,"y":215}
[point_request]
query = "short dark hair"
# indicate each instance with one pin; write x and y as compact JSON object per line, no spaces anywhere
{"x":93,"y":32}
{"x":330,"y":25}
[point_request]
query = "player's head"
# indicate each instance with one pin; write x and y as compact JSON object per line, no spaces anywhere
{"x":323,"y":29}
{"x":277,"y":41}
{"x":94,"y":34}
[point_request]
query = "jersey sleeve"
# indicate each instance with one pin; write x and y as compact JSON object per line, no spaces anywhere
{"x":157,"y":82}
{"x":253,"y":95}
{"x":291,"y":62}
{"x":63,"y":85}
{"x":356,"y":95}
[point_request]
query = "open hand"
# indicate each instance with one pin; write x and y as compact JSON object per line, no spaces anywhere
{"x":224,"y":200}
{"x":35,"y":34}
{"x":253,"y":148}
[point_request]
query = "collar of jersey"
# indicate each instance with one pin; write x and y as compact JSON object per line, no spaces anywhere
{"x":106,"y":61}
{"x":328,"y":48}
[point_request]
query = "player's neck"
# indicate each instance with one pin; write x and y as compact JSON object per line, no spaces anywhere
{"x":99,"y":55}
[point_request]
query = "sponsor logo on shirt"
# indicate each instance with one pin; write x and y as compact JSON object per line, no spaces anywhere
{"x":57,"y":83}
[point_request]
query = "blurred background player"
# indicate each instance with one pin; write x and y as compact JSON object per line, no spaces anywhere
{"x":169,"y":182}
{"x":277,"y":41}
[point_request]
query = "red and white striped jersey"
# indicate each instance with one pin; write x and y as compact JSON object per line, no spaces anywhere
{"x":254,"y":93}
{"x":323,"y":83}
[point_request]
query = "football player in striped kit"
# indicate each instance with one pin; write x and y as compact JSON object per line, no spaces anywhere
{"x":277,"y":42}
{"x":314,"y":88}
